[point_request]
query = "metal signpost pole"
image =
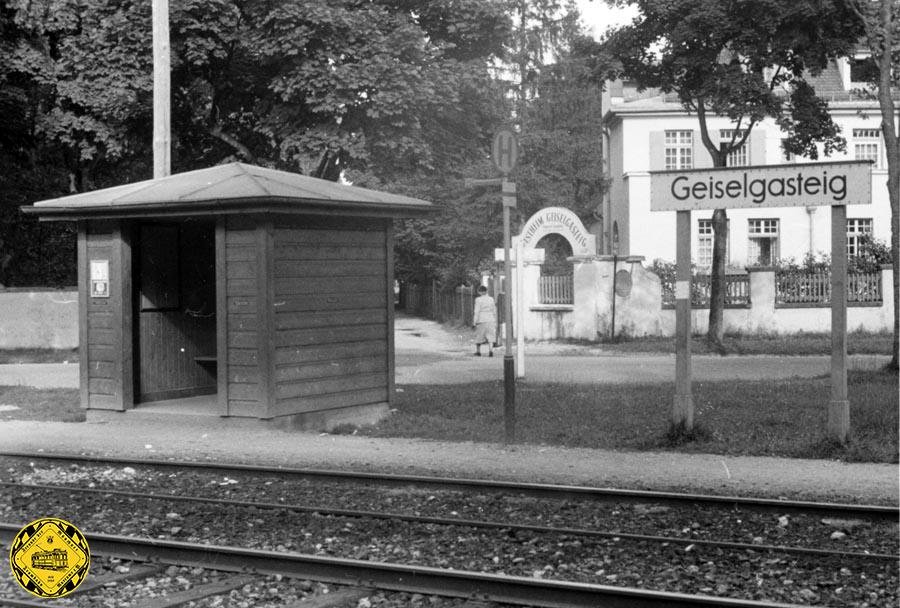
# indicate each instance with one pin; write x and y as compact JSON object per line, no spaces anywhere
{"x":509,"y":369}
{"x":612,"y":325}
{"x":504,"y":153}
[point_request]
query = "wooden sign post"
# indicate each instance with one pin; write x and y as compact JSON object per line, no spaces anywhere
{"x":839,"y":406}
{"x":835,"y":184}
{"x":683,"y":406}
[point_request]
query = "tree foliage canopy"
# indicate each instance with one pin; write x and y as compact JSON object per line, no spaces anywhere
{"x":744,"y":59}
{"x":379,"y":90}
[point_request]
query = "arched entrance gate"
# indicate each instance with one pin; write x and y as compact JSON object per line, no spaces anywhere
{"x":526,"y":275}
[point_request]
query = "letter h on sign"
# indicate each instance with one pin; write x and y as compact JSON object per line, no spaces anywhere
{"x":505,"y":150}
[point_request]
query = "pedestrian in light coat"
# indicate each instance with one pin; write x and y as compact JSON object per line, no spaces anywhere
{"x":484,"y":321}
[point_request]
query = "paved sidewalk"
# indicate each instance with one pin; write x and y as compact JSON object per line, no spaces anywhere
{"x":251,"y":443}
{"x":428,"y":353}
{"x":448,"y":360}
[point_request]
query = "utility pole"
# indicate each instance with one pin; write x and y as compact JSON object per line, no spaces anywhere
{"x":162,"y":139}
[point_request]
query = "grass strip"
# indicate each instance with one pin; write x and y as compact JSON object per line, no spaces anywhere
{"x":748,"y":418}
{"x":858,"y":343}
{"x":784,"y":418}
{"x":48,"y":404}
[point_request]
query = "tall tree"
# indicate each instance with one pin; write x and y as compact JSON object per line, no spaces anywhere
{"x":561,"y":161}
{"x":378,"y":87}
{"x":73,"y":86}
{"x":555,"y":105}
{"x":744,"y":59}
{"x":298,"y":84}
{"x":881,"y":26}
{"x":542,"y":31}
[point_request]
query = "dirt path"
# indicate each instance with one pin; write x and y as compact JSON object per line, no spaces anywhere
{"x":429,"y":353}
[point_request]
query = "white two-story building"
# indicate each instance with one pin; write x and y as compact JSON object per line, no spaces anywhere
{"x":648,"y":131}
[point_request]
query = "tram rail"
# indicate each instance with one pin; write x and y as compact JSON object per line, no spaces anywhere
{"x":476,"y":586}
{"x":456,"y":521}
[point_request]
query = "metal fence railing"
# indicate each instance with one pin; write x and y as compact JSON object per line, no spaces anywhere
{"x":814,"y":289}
{"x":454,"y":304}
{"x":737,"y":291}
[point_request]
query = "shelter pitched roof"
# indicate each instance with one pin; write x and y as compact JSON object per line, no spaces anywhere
{"x":231,"y":188}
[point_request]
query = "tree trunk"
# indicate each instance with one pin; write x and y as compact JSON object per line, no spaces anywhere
{"x":879,"y":21}
{"x":716,"y":329}
{"x":889,"y":119}
{"x":892,"y":145}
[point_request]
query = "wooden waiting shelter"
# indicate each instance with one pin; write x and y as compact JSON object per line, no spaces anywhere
{"x":271,"y":291}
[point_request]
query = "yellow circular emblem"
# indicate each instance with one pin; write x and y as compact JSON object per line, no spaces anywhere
{"x":50,"y":557}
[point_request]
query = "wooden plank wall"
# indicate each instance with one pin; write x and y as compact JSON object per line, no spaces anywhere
{"x":106,"y":357}
{"x":331,"y":319}
{"x":170,"y":341}
{"x":242,"y":372}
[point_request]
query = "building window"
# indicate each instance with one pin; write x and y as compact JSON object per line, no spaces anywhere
{"x":679,"y":149}
{"x":736,"y":158}
{"x":762,"y":248}
{"x":705,"y":239}
{"x":704,"y":243}
{"x":863,"y":71}
{"x":856,"y":228}
{"x":867,"y":145}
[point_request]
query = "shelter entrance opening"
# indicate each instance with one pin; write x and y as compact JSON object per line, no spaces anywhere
{"x":175,"y":310}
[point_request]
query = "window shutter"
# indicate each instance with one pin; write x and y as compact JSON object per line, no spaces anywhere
{"x":702,"y":159}
{"x":657,"y":150}
{"x":757,"y":141}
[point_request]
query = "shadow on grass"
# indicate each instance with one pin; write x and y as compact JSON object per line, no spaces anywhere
{"x":678,"y":435}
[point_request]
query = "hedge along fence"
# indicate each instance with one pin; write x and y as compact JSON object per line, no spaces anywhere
{"x":814,"y":289}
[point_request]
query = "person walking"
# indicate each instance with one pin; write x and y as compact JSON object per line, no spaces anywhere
{"x":484,"y":320}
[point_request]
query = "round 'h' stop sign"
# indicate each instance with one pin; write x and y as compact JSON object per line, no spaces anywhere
{"x":505,"y":150}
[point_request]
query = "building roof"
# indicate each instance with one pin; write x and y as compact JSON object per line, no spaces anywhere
{"x":225,"y":189}
{"x":828,"y":82}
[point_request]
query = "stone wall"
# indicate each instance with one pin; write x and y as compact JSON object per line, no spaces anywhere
{"x":32,"y":318}
{"x":640,"y":313}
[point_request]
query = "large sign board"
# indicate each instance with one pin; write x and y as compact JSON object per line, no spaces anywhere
{"x":794,"y":185}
